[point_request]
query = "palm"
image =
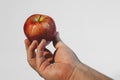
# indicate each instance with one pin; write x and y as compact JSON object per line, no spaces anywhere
{"x":57,"y":71}
{"x":62,"y":64}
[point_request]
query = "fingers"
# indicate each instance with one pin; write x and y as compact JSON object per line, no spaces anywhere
{"x":31,"y":49}
{"x":40,"y":51}
{"x":43,"y":56}
{"x":40,"y":48}
{"x":39,"y":59}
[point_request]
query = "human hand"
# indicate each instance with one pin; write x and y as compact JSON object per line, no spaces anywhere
{"x":51,"y":66}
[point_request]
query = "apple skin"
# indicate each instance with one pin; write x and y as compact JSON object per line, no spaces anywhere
{"x":39,"y":26}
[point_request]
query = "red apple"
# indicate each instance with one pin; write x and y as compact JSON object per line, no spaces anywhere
{"x":39,"y":27}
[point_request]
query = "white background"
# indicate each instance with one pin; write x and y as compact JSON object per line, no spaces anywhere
{"x":91,"y":28}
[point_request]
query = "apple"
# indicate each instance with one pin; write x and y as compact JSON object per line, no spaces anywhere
{"x":39,"y":26}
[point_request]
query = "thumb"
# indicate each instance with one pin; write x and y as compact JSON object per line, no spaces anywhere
{"x":57,"y":42}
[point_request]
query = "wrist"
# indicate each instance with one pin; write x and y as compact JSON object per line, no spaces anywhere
{"x":76,"y":74}
{"x":84,"y":72}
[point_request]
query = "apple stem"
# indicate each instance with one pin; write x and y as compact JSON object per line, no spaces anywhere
{"x":39,"y":18}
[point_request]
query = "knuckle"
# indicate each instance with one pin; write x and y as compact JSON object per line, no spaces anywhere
{"x":30,"y":62}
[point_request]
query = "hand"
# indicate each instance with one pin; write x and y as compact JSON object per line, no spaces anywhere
{"x":51,"y":66}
